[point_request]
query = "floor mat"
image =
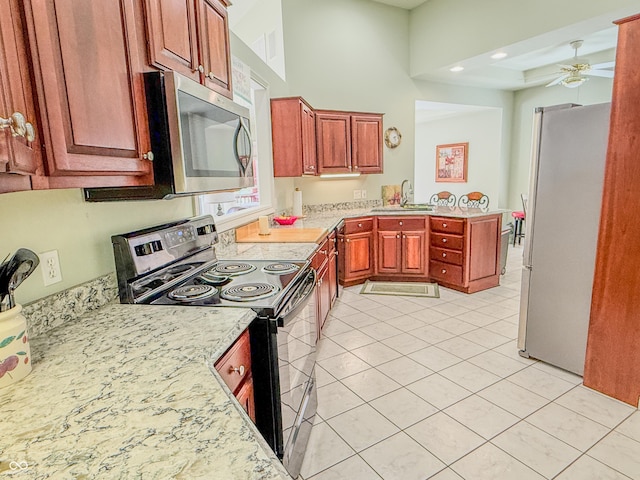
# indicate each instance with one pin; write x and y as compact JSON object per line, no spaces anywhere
{"x":411,"y":289}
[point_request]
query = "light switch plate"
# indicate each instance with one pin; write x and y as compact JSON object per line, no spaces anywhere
{"x":357,"y":194}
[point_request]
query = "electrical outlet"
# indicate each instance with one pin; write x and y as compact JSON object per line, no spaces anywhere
{"x":357,"y":194}
{"x":364,"y":194}
{"x":50,"y":266}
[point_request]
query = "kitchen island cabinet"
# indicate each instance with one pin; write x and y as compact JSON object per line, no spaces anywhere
{"x":20,"y":153}
{"x":402,"y":248}
{"x":91,"y":99}
{"x":141,"y":378}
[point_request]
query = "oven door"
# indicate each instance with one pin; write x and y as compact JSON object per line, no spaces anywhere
{"x":296,"y":340}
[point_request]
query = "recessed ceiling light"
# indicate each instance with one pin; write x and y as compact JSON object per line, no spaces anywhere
{"x":456,"y":69}
{"x":498,"y":55}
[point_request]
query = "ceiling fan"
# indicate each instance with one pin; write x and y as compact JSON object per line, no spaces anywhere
{"x":572,"y":76}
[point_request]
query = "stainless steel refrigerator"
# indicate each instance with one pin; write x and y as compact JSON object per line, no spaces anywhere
{"x":565,"y":193}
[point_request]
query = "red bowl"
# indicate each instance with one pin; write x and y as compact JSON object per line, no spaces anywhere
{"x":285,"y":220}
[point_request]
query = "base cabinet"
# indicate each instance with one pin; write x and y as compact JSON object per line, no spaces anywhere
{"x":324,"y":262}
{"x":235,"y":369}
{"x":401,"y":246}
{"x":356,"y":249}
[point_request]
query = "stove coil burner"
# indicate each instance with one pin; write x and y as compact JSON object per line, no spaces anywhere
{"x":211,"y":278}
{"x":235,"y":268}
{"x":280,"y":268}
{"x":191,"y":293}
{"x":180,"y":269}
{"x":249,"y":291}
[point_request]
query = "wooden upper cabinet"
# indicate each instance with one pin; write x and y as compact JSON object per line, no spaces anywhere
{"x":366,"y":143}
{"x":349,"y":142}
{"x":20,"y":152}
{"x":333,"y":134}
{"x":191,"y":37}
{"x":90,"y":92}
{"x":293,"y":134}
{"x":172,"y":36}
{"x":213,"y":25}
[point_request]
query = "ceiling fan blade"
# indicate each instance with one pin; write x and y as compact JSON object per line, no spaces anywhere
{"x":557,"y":80}
{"x":599,"y":66}
{"x":599,"y":73}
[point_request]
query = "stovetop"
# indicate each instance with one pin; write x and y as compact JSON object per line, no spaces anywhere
{"x":176,"y":264}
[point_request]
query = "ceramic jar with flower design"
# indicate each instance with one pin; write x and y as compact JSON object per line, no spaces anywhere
{"x":15,"y":355}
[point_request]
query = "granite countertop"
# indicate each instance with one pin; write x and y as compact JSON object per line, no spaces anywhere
{"x":130,"y":392}
{"x":329,"y":220}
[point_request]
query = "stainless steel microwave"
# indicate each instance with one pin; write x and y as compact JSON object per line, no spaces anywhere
{"x":200,"y":141}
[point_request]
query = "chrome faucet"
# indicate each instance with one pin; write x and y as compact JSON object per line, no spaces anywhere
{"x":408,"y":196}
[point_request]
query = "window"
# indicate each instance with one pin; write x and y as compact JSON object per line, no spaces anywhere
{"x":231,"y":209}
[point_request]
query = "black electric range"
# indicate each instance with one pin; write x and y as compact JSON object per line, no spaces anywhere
{"x":176,"y":264}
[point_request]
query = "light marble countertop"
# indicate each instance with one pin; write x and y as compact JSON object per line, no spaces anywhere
{"x":130,"y":392}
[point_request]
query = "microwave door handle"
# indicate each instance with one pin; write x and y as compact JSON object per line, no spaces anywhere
{"x":241,"y":163}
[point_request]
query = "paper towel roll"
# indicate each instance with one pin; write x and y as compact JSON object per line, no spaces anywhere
{"x":297,"y":203}
{"x":263,"y":224}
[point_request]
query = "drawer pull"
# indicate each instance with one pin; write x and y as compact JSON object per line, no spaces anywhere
{"x":444,"y":240}
{"x":444,"y":225}
{"x":324,"y":252}
{"x":239,"y":370}
{"x":400,"y":223}
{"x":398,"y":236}
{"x":444,"y":255}
{"x":444,"y":270}
{"x":360,"y":225}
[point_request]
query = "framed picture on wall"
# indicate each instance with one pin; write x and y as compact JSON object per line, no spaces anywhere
{"x":451,"y":162}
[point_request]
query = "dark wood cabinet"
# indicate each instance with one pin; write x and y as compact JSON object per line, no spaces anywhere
{"x":192,"y":38}
{"x":402,"y":246}
{"x":20,"y":153}
{"x":613,"y":356}
{"x":465,"y":253}
{"x":87,"y":72}
{"x":356,"y":250}
{"x":235,"y":369}
{"x":324,"y":263}
{"x":348,"y":142}
{"x":293,"y":132}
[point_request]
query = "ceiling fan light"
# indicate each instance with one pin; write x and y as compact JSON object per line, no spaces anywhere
{"x":573,"y":81}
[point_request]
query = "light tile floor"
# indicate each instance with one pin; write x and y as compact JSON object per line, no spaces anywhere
{"x":416,"y":388}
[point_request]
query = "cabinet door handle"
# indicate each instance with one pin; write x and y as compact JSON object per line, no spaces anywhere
{"x":444,"y":270}
{"x":201,"y":68}
{"x":400,"y":223}
{"x":148,"y":156}
{"x":210,"y":75}
{"x":444,"y":255}
{"x":398,"y":236}
{"x":359,"y":225}
{"x":444,"y":240}
{"x":239,"y":370}
{"x":16,"y":123}
{"x":404,"y":236}
{"x":30,"y":132}
{"x":324,"y":252}
{"x":444,"y":225}
{"x":347,"y":240}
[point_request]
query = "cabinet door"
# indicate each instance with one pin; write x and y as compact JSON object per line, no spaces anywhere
{"x":484,"y":248}
{"x":172,"y":36}
{"x":366,"y":143}
{"x":389,"y":252}
{"x":213,"y":25}
{"x":333,"y":272}
{"x":333,"y":133}
{"x":17,"y":154}
{"x":357,"y":255}
{"x":413,"y":253}
{"x":308,"y":140}
{"x":323,"y":297}
{"x":90,"y":90}
{"x":245,"y":397}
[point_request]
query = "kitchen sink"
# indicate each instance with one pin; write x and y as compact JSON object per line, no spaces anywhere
{"x":424,"y":207}
{"x":417,"y":206}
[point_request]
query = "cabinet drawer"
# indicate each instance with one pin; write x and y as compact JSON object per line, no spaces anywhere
{"x":235,"y":364}
{"x":454,"y":242}
{"x":447,"y":225}
{"x":448,"y":256}
{"x":358,"y":225}
{"x":401,"y":223}
{"x":321,"y":255}
{"x":445,"y":272}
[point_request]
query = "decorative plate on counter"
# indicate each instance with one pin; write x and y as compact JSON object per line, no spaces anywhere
{"x":285,"y":220}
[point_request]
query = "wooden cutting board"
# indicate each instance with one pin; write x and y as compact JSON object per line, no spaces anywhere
{"x":249,"y":234}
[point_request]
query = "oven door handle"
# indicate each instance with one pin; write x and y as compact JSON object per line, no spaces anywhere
{"x":303,"y":296}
